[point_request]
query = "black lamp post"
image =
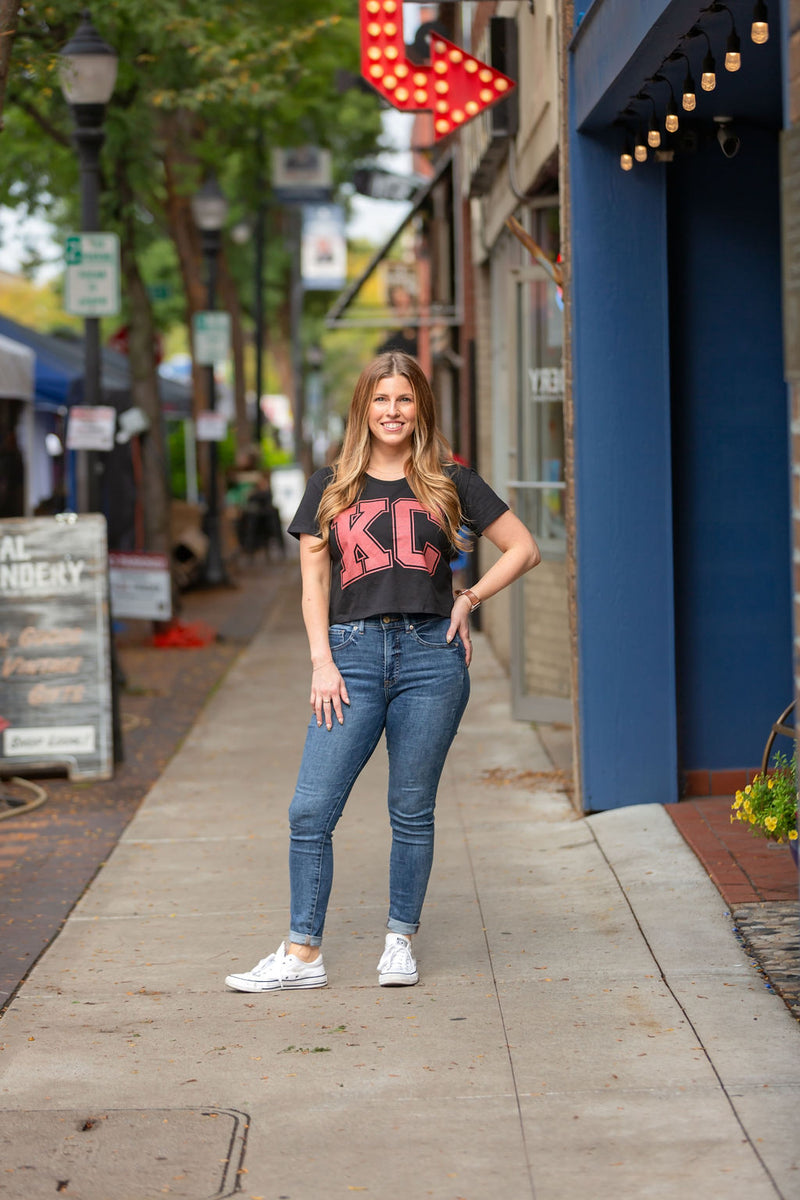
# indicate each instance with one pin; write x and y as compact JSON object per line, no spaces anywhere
{"x":88,"y":72}
{"x":209,"y":209}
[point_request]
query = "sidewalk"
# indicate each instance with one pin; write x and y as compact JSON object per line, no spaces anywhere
{"x":586,"y":1023}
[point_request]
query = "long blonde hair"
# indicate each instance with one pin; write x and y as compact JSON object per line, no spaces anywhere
{"x":425,"y":469}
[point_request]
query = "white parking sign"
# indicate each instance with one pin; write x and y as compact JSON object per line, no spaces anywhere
{"x":91,"y":279}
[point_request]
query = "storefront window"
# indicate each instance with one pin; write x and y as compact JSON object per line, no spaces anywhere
{"x":540,"y":395}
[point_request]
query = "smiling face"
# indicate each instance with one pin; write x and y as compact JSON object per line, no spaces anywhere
{"x":392,"y":413}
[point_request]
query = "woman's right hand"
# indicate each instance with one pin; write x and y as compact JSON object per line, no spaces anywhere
{"x":328,"y":693}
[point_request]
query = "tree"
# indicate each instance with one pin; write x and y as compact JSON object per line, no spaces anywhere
{"x":9,"y":15}
{"x":196,"y":83}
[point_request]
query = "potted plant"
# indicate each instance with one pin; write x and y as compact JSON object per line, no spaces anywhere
{"x":769,"y":804}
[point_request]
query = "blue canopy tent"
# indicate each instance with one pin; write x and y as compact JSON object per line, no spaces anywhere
{"x":58,"y":378}
{"x":58,"y":385}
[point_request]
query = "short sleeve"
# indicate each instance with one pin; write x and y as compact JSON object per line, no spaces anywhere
{"x":305,"y":519}
{"x":480,"y":504}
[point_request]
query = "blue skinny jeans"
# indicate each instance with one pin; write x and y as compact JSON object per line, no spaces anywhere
{"x":404,"y":678}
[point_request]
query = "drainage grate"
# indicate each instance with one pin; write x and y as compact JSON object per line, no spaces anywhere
{"x":122,"y":1154}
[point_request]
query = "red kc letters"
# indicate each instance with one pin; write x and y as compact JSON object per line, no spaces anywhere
{"x":364,"y":553}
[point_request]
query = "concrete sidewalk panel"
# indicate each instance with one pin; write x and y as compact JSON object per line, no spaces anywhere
{"x":659,"y":1144}
{"x":470,"y":1147}
{"x":614,"y":1035}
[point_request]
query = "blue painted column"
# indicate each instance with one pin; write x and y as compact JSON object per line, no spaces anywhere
{"x":625,"y":608}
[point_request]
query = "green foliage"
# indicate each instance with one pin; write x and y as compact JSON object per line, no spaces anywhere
{"x":176,"y":459}
{"x":237,"y":75}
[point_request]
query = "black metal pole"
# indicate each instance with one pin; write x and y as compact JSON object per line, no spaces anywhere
{"x":295,"y":321}
{"x":215,"y":565}
{"x":258,"y":299}
{"x":89,"y":137}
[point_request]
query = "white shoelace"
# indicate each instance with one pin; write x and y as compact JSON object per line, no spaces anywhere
{"x":397,"y":958}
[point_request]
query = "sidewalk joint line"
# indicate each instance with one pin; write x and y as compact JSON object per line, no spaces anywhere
{"x":688,"y":1019}
{"x":528,"y":1164}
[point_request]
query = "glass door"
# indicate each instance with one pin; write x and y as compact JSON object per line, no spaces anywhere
{"x":540,"y":641}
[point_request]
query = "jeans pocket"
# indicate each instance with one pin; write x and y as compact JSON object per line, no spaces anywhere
{"x":340,"y":636}
{"x":432,"y":633}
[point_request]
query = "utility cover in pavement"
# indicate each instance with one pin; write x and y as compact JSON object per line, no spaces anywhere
{"x":127,"y":1154}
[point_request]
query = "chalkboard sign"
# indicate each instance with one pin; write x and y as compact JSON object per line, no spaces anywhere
{"x":55,"y":674}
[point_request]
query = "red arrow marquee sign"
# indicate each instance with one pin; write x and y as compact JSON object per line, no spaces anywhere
{"x":455,"y":86}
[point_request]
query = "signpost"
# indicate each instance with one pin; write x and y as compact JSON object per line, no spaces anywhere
{"x":55,"y":702}
{"x":91,"y":280}
{"x":212,"y":337}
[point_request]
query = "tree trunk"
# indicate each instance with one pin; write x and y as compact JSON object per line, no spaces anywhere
{"x":180,"y":172}
{"x":9,"y":16}
{"x":230,"y":301}
{"x":153,"y":493}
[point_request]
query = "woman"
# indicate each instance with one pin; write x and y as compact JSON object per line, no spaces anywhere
{"x":390,"y":648}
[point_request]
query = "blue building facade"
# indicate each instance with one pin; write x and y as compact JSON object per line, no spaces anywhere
{"x":681,"y":438}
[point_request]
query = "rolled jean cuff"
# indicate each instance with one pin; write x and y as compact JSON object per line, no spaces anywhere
{"x":402,"y":927}
{"x":304,"y":939}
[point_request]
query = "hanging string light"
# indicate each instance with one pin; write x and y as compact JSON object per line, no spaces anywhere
{"x":733,"y":46}
{"x":640,"y":146}
{"x":626,"y":157}
{"x":653,"y":132}
{"x":671,"y":118}
{"x":708,"y":77}
{"x":689,"y":96}
{"x":759,"y":30}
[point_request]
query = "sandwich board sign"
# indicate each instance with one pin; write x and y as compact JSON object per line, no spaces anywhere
{"x":55,"y":661}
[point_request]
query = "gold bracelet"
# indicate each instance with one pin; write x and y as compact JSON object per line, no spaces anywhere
{"x":321,"y":665}
{"x":474,"y":601}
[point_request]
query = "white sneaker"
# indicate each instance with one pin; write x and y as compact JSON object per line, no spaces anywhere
{"x":397,"y":967}
{"x":280,"y":971}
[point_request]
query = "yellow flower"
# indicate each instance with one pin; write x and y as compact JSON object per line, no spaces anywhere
{"x":748,"y":808}
{"x":748,"y":790}
{"x":792,"y":835}
{"x":770,"y":784}
{"x":752,"y":818}
{"x":771,"y":823}
{"x":738,"y":800}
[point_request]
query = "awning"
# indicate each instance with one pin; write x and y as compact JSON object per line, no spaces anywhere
{"x":16,"y":370}
{"x":439,"y":300}
{"x":59,"y":371}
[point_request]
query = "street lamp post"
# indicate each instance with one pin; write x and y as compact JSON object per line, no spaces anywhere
{"x":209,"y":209}
{"x":88,"y":72}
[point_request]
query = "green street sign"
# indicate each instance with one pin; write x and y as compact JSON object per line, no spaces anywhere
{"x":91,"y":278}
{"x":212,"y":337}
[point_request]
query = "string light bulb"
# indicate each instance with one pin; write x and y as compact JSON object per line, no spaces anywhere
{"x":653,"y":134}
{"x":708,"y":78}
{"x":733,"y":51}
{"x":759,"y":30}
{"x":640,"y":147}
{"x":671,"y":119}
{"x":626,"y":158}
{"x":689,"y":97}
{"x":671,"y":112}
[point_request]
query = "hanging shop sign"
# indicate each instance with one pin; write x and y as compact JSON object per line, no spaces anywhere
{"x":456,"y":86}
{"x":55,"y":699}
{"x":303,"y":175}
{"x":323,"y":255}
{"x":385,"y":185}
